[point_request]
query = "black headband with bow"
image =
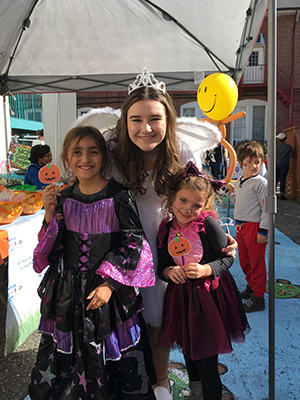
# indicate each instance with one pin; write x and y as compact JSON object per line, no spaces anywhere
{"x":192,"y":170}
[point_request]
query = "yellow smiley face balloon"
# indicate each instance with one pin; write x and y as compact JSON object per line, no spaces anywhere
{"x":217,"y":96}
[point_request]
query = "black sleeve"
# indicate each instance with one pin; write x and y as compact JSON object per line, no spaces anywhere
{"x":213,"y":241}
{"x":126,"y":252}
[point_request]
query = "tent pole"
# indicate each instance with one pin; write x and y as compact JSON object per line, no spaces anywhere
{"x":5,"y":124}
{"x":271,"y":200}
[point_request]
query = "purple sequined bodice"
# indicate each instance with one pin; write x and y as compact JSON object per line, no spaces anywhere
{"x":98,"y":217}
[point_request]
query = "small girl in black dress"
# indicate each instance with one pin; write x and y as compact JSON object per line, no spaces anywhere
{"x":202,"y":311}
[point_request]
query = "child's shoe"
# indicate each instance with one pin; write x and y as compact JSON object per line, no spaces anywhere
{"x":196,"y":390}
{"x":254,"y":304}
{"x":246,"y":293}
{"x":162,"y":393}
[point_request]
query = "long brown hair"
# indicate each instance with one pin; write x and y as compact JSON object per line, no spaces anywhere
{"x":127,"y":155}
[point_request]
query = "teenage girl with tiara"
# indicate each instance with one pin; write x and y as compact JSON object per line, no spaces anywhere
{"x":93,"y":343}
{"x":145,"y":153}
{"x":202,"y":310}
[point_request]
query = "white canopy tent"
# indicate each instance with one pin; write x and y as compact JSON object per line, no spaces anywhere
{"x":75,"y":45}
{"x":52,"y":46}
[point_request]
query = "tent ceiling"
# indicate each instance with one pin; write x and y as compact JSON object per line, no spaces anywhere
{"x":76,"y":45}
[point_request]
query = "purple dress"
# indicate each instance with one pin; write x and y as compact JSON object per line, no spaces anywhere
{"x":96,"y":353}
{"x":202,"y":316}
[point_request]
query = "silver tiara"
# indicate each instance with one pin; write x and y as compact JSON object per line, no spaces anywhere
{"x":146,"y":79}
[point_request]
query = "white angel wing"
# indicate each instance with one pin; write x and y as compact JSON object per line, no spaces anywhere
{"x":199,"y":135}
{"x":101,"y":118}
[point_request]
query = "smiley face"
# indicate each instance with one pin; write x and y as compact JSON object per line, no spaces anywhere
{"x":217,"y":96}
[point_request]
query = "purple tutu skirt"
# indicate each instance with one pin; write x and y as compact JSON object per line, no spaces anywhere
{"x":203,"y":320}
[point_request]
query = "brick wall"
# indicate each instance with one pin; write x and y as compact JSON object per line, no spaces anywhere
{"x":115,"y":99}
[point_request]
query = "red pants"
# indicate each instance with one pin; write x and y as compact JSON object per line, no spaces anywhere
{"x":252,"y":257}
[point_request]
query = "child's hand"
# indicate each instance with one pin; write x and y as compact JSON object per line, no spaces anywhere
{"x":230,"y":249}
{"x":175,"y":274}
{"x":261,"y":238}
{"x":99,"y":296}
{"x":59,"y":217}
{"x":49,"y":198}
{"x":195,"y":270}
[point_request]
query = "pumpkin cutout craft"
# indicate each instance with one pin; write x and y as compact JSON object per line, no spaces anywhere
{"x":49,"y":173}
{"x":179,"y":247}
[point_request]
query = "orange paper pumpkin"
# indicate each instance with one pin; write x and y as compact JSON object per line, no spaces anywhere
{"x":49,"y":173}
{"x":179,"y":246}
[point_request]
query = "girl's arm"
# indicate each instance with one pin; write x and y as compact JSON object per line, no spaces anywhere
{"x":47,"y":237}
{"x":49,"y":231}
{"x":49,"y":198}
{"x":213,"y":243}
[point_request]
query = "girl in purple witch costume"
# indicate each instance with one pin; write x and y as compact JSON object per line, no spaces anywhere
{"x":202,"y":310}
{"x":93,"y":341}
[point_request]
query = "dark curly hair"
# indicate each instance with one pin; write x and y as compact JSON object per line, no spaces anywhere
{"x":38,"y":151}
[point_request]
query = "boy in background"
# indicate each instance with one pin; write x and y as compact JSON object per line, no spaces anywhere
{"x":251,"y":223}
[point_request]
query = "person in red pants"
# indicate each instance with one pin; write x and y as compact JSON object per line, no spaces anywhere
{"x":251,"y":222}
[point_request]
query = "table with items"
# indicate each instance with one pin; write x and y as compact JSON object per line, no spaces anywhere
{"x":19,"y":282}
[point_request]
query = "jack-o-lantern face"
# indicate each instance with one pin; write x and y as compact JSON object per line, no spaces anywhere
{"x":49,"y":173}
{"x":179,"y":246}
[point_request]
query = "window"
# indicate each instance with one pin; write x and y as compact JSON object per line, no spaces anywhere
{"x":254,"y":125}
{"x":239,"y":127}
{"x":188,"y":112}
{"x":191,"y":109}
{"x":258,"y":123}
{"x":255,"y":69}
{"x":83,"y":110}
{"x":253,"y":59}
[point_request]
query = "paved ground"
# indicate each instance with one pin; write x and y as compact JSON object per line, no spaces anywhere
{"x":247,"y":378}
{"x":287,"y":219}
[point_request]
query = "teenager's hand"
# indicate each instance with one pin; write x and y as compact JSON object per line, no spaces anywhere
{"x":195,"y":270}
{"x":99,"y":296}
{"x":49,"y":198}
{"x":261,"y":238}
{"x":230,"y":249}
{"x":175,"y":274}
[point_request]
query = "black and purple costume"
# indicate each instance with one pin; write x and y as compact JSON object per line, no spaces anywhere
{"x":102,"y":353}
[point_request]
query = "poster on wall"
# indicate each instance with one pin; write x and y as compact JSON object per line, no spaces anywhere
{"x":19,"y":155}
{"x":23,"y":302}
